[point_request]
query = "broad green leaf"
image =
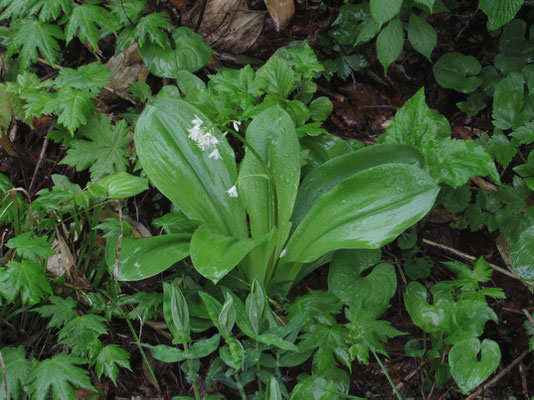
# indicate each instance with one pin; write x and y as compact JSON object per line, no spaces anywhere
{"x":384,"y":10}
{"x":422,"y":35}
{"x":128,"y":11}
{"x":214,"y":308}
{"x":141,"y":91}
{"x":145,"y":257}
{"x":26,"y":278}
{"x":468,"y":318}
{"x":499,"y":12}
{"x":320,"y":108}
{"x":322,"y":148}
{"x":108,"y":361}
{"x":276,"y":77}
{"x":389,"y":43}
{"x":330,"y":342}
{"x":457,"y":71}
{"x":327,"y":176}
{"x":60,"y":309}
{"x":81,"y":335}
{"x":298,"y":112}
{"x":189,"y":53}
{"x":428,"y":317}
{"x":347,"y":25}
{"x":365,"y":211}
{"x":184,"y":173}
{"x":522,"y":255}
{"x":214,"y":254}
{"x":118,"y":186}
{"x":508,"y":101}
{"x":91,"y":77}
{"x":272,"y":135}
{"x":413,"y":348}
{"x":372,"y":293}
{"x":17,"y":369}
{"x":203,"y":348}
{"x":168,"y":354}
{"x":467,"y":369}
{"x":57,"y":376}
{"x":31,"y":247}
{"x":29,"y":36}
{"x":105,"y":151}
{"x":74,"y":108}
{"x":83,"y":22}
{"x":328,"y":386}
{"x":176,"y":313}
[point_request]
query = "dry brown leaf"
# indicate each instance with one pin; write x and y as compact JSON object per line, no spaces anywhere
{"x":227,"y":25}
{"x":64,"y":260}
{"x":281,"y":12}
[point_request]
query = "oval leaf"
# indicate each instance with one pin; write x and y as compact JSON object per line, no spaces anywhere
{"x":118,"y":186}
{"x":454,"y":71}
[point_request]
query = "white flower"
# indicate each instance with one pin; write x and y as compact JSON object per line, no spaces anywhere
{"x":207,"y":141}
{"x":215,"y":155}
{"x":197,"y":121}
{"x":232,"y":192}
{"x":195,"y":133}
{"x":283,"y":253}
{"x":236,"y":125}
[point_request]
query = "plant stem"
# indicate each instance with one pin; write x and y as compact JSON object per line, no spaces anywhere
{"x":240,"y":387}
{"x":399,"y":396}
{"x":191,"y":372}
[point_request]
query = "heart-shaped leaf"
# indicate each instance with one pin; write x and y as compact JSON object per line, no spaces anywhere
{"x":455,"y":71}
{"x":466,"y":370}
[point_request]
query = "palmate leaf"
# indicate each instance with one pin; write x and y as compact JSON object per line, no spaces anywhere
{"x":61,"y":311}
{"x":84,"y":20}
{"x":105,"y":152}
{"x":110,"y":359}
{"x":73,"y":107}
{"x":128,"y":11}
{"x":331,"y":343}
{"x":57,"y":376}
{"x":49,"y":10}
{"x":31,"y":36}
{"x":15,"y":9}
{"x":17,"y":368}
{"x":26,"y":278}
{"x":81,"y":334}
{"x":31,"y":247}
{"x":91,"y":77}
{"x":151,"y":28}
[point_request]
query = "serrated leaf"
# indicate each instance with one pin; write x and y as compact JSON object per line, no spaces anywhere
{"x":83,"y":22}
{"x":17,"y":368}
{"x":457,"y":71}
{"x":384,"y":10}
{"x":81,"y":334}
{"x":328,"y":342}
{"x":15,"y":9}
{"x":29,"y":36}
{"x":49,"y":10}
{"x":31,"y":247}
{"x":128,"y":11}
{"x":73,"y":107}
{"x":499,"y":12}
{"x":109,"y":359}
{"x":508,"y":102}
{"x":499,"y":147}
{"x":389,"y":43}
{"x":91,"y":77}
{"x":302,"y":59}
{"x":276,"y":77}
{"x":105,"y":152}
{"x":26,"y":278}
{"x":422,"y":35}
{"x":151,"y":28}
{"x":524,"y":134}
{"x":61,"y":311}
{"x":56,"y":376}
{"x":468,"y":372}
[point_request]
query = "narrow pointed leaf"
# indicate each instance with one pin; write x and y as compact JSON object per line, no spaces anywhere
{"x":176,"y":313}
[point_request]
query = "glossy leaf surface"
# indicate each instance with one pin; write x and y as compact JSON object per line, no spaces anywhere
{"x":176,"y":313}
{"x":457,"y":71}
{"x":118,"y":186}
{"x":522,"y":255}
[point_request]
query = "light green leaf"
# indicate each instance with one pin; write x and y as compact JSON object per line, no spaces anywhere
{"x":108,"y":361}
{"x":184,"y":173}
{"x":118,"y":186}
{"x":384,"y":10}
{"x":203,"y":348}
{"x":499,"y":12}
{"x":255,"y":304}
{"x":83,"y":22}
{"x":276,"y":77}
{"x":17,"y":369}
{"x":57,"y":376}
{"x":168,"y":354}
{"x":320,"y":108}
{"x":274,"y":340}
{"x":189,"y":53}
{"x":74,"y":107}
{"x":31,"y":247}
{"x":214,"y":254}
{"x":30,"y":35}
{"x":81,"y":335}
{"x":176,"y":313}
{"x":365,"y":211}
{"x":456,"y":71}
{"x":522,"y":255}
{"x":26,"y":278}
{"x":145,"y":257}
{"x":302,"y":59}
{"x":91,"y":77}
{"x":468,"y":372}
{"x":422,"y":35}
{"x":428,"y":317}
{"x":50,"y":9}
{"x":389,"y":43}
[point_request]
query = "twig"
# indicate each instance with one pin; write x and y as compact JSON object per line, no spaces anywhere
{"x":201,"y":15}
{"x":523,"y":380}
{"x":499,"y":375}
{"x":481,"y":183}
{"x":336,"y":96}
{"x":119,"y":244}
{"x":38,"y":165}
{"x":529,"y":317}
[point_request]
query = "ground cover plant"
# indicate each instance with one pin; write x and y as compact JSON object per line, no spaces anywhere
{"x":266,"y":200}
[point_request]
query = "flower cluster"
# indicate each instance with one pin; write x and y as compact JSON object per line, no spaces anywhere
{"x":204,"y":138}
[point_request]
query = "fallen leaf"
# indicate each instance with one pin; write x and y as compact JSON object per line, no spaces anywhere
{"x":281,"y":12}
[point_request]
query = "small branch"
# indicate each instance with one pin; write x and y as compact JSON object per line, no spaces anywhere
{"x":529,"y":317}
{"x":481,"y":183}
{"x":38,"y":165}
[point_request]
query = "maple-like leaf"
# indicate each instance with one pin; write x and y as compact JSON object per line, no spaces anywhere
{"x":81,"y":334}
{"x":151,"y":27}
{"x":17,"y":368}
{"x":49,"y":10}
{"x":91,"y":77}
{"x":30,"y":36}
{"x":61,"y":310}
{"x":128,"y":11}
{"x":26,"y":278}
{"x":105,"y":152}
{"x":110,"y":359}
{"x":84,"y":20}
{"x":15,"y":9}
{"x":58,"y":375}
{"x":31,"y":247}
{"x":74,"y":107}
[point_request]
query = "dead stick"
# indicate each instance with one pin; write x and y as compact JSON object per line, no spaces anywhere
{"x":529,"y":317}
{"x":39,"y":162}
{"x":500,"y":375}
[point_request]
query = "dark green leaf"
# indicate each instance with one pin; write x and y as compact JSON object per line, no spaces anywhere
{"x":31,"y":247}
{"x":81,"y":334}
{"x":118,"y":186}
{"x":422,"y":35}
{"x":522,"y":255}
{"x":499,"y":12}
{"x":389,"y":43}
{"x":83,"y":22}
{"x":26,"y":278}
{"x":108,"y":361}
{"x":384,"y":10}
{"x":61,"y":311}
{"x":456,"y":71}
{"x":17,"y":369}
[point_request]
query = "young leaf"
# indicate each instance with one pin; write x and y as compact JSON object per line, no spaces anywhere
{"x":31,"y":247}
{"x":61,"y":311}
{"x":17,"y":369}
{"x":389,"y":43}
{"x":26,"y":278}
{"x":255,"y":305}
{"x":105,"y":152}
{"x":109,"y":359}
{"x":57,"y":376}
{"x":30,"y":35}
{"x":83,"y":21}
{"x":328,"y":341}
{"x":227,"y":318}
{"x":422,"y":35}
{"x":302,"y":59}
{"x":176,"y":313}
{"x":81,"y":334}
{"x":384,"y":10}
